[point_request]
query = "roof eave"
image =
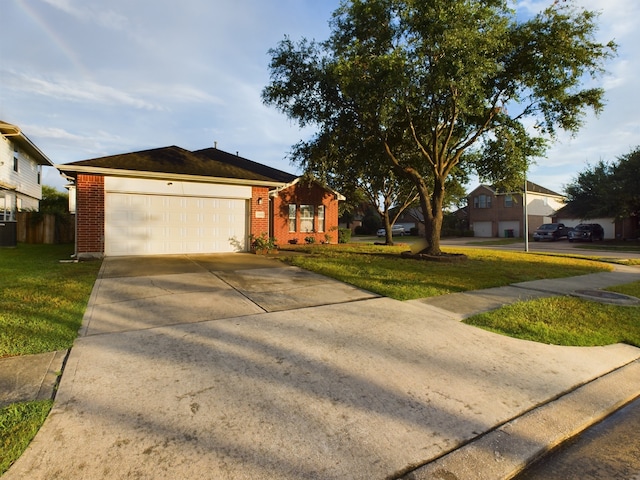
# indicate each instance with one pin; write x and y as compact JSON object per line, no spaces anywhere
{"x":10,"y":130}
{"x":338,"y":195}
{"x":165,"y":176}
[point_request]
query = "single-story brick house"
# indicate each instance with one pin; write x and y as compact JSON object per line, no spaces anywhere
{"x":173,"y":201}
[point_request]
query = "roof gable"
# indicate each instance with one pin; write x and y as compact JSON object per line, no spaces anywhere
{"x":531,"y":188}
{"x":246,"y":164}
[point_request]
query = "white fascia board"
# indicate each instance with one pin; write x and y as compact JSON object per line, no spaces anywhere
{"x":164,"y":176}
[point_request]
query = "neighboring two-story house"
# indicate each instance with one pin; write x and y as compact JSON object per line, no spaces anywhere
{"x":493,"y":213}
{"x":21,"y":163}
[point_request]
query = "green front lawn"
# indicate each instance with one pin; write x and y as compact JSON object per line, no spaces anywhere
{"x":380,"y":269}
{"x":42,"y":301}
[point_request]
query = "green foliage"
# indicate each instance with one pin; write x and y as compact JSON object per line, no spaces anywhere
{"x":42,"y":301}
{"x":19,"y":423}
{"x":430,"y":91}
{"x":607,"y":189}
{"x":591,"y":194}
{"x":54,"y":201}
{"x":344,"y":235}
{"x":262,"y":242}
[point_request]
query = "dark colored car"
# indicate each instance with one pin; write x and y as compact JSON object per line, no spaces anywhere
{"x":551,"y":231}
{"x":587,"y":232}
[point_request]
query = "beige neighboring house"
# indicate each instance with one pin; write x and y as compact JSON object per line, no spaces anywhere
{"x":21,"y":163}
{"x":493,"y":213}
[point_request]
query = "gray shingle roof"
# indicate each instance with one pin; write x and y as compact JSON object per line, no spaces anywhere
{"x":176,"y":160}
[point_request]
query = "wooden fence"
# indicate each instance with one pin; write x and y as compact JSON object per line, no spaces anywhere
{"x":35,"y":227}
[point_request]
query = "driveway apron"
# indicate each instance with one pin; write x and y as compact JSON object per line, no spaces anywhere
{"x":240,"y":367}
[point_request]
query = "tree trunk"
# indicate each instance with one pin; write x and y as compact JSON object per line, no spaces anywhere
{"x":387,"y":228}
{"x":432,"y":211}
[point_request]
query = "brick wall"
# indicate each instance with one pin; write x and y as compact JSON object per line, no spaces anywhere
{"x":304,"y":194}
{"x":498,"y":212}
{"x":259,"y":211}
{"x":90,"y":214}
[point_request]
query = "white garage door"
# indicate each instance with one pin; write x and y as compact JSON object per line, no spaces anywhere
{"x":514,"y":226}
{"x":141,"y":224}
{"x":482,"y":229}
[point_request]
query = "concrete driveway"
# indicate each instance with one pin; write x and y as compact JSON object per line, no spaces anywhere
{"x":239,"y":367}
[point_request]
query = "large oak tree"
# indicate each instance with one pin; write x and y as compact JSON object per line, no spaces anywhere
{"x":425,"y":88}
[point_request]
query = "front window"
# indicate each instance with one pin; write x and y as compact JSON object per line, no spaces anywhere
{"x":15,"y":164}
{"x":508,"y":201}
{"x":292,"y":217}
{"x":6,"y":208}
{"x":482,"y":201}
{"x":321,"y":218}
{"x":306,"y":218}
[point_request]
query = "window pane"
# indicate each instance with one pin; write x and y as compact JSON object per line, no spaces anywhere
{"x":508,"y":201}
{"x":306,"y":218}
{"x":321,"y":218}
{"x":292,"y":217}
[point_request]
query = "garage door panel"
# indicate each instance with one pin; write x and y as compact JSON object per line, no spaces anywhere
{"x":138,"y":224}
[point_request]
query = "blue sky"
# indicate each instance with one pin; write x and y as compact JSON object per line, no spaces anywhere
{"x":88,"y":78}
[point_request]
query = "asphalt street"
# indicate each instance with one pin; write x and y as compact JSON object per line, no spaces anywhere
{"x":608,"y":450}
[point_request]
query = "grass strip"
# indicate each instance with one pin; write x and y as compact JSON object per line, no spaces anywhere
{"x":567,"y":320}
{"x":19,"y":423}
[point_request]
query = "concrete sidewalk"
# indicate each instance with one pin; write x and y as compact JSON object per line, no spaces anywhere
{"x":190,"y":370}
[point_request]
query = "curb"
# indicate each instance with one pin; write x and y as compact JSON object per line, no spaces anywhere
{"x":505,"y":451}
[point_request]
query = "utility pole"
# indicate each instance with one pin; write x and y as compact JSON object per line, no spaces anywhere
{"x":525,"y":213}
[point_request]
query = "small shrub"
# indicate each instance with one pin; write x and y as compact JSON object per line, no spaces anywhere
{"x":263,"y":242}
{"x":344,"y":235}
{"x":310,"y":239}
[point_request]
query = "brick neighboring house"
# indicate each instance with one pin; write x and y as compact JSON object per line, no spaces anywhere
{"x":500,"y":214}
{"x":173,"y":201}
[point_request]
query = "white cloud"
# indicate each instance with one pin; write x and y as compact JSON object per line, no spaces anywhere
{"x":76,"y":91}
{"x":90,"y":13}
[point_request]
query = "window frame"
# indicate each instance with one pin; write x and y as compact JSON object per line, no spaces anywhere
{"x":508,"y":201}
{"x":293,"y":208}
{"x":307,"y":217}
{"x":482,"y":201}
{"x":321,"y":218}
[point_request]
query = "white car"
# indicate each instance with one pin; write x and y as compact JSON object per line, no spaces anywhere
{"x":395,"y":230}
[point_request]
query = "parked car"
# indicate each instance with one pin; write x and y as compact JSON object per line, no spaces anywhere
{"x":587,"y":232}
{"x":551,"y":231}
{"x":395,"y":230}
